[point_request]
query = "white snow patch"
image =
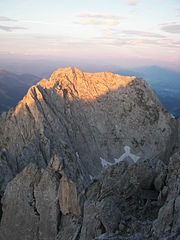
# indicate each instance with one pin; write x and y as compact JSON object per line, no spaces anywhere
{"x":77,"y":155}
{"x":127,"y":154}
{"x":91,"y":177}
{"x":172,"y":116}
{"x":105,"y":163}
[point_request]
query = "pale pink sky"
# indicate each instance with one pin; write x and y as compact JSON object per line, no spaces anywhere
{"x":125,"y":33}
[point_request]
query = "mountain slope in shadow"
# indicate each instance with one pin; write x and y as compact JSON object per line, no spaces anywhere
{"x":94,"y":117}
{"x":13,"y":87}
{"x":164,"y":82}
{"x":79,"y":154}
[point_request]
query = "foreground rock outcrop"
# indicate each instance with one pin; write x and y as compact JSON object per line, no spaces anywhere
{"x":86,"y":156}
{"x":30,"y":206}
{"x":168,"y":221}
{"x":129,"y":201}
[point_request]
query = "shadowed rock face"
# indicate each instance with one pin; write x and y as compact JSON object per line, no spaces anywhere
{"x":129,"y":201}
{"x":34,"y":209}
{"x":85,"y":120}
{"x":71,"y":129}
{"x":168,"y":221}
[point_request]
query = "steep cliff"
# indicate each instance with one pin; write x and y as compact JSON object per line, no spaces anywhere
{"x":88,"y":121}
{"x":70,"y":140}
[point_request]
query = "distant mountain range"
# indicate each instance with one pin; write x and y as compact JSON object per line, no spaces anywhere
{"x":164,"y":82}
{"x":13,"y":87}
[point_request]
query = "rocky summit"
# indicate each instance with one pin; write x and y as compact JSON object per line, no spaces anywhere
{"x":88,"y":156}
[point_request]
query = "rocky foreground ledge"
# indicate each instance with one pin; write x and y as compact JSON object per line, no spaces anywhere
{"x":89,"y":156}
{"x":130,"y":201}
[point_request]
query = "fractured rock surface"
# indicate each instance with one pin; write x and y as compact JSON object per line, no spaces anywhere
{"x":168,"y":221}
{"x":87,"y":157}
{"x":124,"y":203}
{"x":30,"y":206}
{"x":82,"y":118}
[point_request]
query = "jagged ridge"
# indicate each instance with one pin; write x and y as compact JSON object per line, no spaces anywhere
{"x":79,"y":124}
{"x":93,"y":116}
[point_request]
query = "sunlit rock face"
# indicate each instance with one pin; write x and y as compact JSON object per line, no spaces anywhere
{"x":85,"y":157}
{"x":87,"y":120}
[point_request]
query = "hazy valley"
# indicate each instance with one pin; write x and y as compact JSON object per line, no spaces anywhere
{"x":13,"y":87}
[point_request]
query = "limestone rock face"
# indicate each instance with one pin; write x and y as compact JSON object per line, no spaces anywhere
{"x":178,"y":130}
{"x":88,"y":121}
{"x":86,"y":157}
{"x":21,"y":217}
{"x":30,"y":206}
{"x":68,"y":197}
{"x":124,"y":203}
{"x":168,"y":221}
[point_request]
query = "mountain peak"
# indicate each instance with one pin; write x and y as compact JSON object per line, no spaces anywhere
{"x":107,"y":102}
{"x":71,"y":129}
{"x":67,"y":70}
{"x":88,"y":85}
{"x":76,"y":85}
